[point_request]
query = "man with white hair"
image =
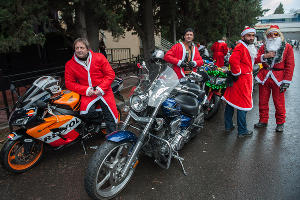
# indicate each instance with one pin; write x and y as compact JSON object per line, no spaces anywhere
{"x":277,"y":57}
{"x":239,"y":95}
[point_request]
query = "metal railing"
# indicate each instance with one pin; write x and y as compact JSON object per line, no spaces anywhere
{"x":14,"y":82}
{"x":116,"y":54}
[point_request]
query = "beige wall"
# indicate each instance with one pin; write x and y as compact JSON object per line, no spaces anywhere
{"x":127,"y":41}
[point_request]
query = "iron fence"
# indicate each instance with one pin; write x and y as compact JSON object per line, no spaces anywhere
{"x":11,"y":84}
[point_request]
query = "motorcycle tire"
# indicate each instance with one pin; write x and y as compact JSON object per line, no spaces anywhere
{"x":102,"y":180}
{"x":14,"y":159}
{"x":215,"y":100}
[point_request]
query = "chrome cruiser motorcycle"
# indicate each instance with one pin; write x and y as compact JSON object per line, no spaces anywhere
{"x":163,"y":116}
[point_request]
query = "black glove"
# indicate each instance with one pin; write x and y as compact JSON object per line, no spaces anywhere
{"x":183,"y":65}
{"x":230,"y":79}
{"x":284,"y":86}
{"x":191,"y":64}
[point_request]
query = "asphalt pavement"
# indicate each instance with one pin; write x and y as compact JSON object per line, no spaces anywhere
{"x":265,"y":166}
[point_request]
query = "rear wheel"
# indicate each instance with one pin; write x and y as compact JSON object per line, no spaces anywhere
{"x":212,"y":107}
{"x":17,"y":159}
{"x":103,"y":176}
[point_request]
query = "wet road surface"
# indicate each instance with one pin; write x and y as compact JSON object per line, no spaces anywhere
{"x":265,"y":166}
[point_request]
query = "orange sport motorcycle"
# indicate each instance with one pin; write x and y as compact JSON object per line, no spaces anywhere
{"x":47,"y":116}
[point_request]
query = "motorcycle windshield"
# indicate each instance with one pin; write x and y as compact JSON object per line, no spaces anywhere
{"x":162,"y":86}
{"x":35,"y":92}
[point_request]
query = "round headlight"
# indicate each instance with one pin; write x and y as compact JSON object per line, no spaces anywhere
{"x":138,"y":102}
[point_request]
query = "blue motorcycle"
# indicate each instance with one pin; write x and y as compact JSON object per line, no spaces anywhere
{"x":164,"y":115}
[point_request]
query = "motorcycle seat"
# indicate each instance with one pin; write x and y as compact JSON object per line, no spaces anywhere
{"x":189,"y":105}
{"x":192,"y":87}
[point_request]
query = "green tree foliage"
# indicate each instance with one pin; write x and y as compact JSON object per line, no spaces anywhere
{"x":22,"y":23}
{"x":212,"y":19}
{"x":279,"y":9}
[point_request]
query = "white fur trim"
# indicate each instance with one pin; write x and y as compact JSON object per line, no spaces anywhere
{"x":250,"y":30}
{"x":183,"y":51}
{"x":102,"y":92}
{"x":235,"y":106}
{"x":221,"y":41}
{"x":193,"y":53}
{"x":89,"y":106}
{"x":103,"y":100}
{"x":179,"y":63}
{"x":286,"y":81}
{"x":87,"y":91}
{"x":262,"y":58}
{"x":237,"y":74}
{"x":86,"y":67}
{"x":195,"y":64}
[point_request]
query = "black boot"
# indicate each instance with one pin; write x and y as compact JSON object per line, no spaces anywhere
{"x":279,"y":127}
{"x":260,"y":125}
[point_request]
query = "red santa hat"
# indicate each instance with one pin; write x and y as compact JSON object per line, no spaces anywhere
{"x":248,"y":30}
{"x":274,"y":28}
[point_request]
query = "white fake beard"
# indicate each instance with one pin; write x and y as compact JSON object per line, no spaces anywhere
{"x":273,"y":44}
{"x":252,"y":50}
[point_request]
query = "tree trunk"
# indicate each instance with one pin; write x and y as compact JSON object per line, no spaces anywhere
{"x":92,"y":30}
{"x":148,"y":39}
{"x":80,"y":19}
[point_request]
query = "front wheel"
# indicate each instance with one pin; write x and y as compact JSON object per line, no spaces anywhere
{"x":18,"y":156}
{"x":103,"y":176}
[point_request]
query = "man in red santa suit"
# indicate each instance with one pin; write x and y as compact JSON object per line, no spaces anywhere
{"x":239,"y":95}
{"x":219,"y":50}
{"x":90,"y":75}
{"x":184,"y":54}
{"x":277,"y":57}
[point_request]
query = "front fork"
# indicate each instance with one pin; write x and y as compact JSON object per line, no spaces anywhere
{"x":139,"y":142}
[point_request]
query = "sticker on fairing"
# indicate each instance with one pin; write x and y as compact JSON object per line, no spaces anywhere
{"x":69,"y":126}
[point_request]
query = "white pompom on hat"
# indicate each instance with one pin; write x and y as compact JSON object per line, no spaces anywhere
{"x":248,"y":30}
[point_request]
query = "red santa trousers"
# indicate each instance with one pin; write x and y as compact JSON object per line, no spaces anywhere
{"x":278,"y":99}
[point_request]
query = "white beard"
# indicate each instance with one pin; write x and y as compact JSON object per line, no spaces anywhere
{"x":252,"y":50}
{"x":273,"y":44}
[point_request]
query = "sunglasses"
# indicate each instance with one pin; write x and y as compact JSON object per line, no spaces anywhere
{"x":273,"y":34}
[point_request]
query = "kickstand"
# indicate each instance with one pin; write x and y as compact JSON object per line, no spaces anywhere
{"x":180,"y":159}
{"x":83,"y":147}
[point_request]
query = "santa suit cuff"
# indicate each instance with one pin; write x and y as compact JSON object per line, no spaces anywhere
{"x":87,"y":91}
{"x":237,"y":74}
{"x":99,"y":89}
{"x":195,"y":64}
{"x":179,"y":63}
{"x":262,"y":58}
{"x":286,"y":81}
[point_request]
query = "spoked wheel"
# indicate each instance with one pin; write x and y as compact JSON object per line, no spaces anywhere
{"x":212,"y":107}
{"x":17,"y":159}
{"x":103,"y":176}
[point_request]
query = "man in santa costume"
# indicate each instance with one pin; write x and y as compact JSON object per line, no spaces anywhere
{"x":219,"y":50}
{"x":277,"y":57}
{"x":239,"y":95}
{"x":90,"y":75}
{"x":184,"y":54}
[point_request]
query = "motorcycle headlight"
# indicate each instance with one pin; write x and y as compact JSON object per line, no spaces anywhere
{"x":138,"y":102}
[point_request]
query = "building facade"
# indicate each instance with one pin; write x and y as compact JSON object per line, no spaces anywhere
{"x":289,"y":25}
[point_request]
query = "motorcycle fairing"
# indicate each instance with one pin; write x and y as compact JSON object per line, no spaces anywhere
{"x":56,"y":130}
{"x":69,"y":100}
{"x":120,"y":136}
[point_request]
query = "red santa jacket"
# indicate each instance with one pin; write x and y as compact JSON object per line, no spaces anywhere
{"x":219,"y":50}
{"x":176,"y":55}
{"x":284,"y":60}
{"x":79,"y":77}
{"x":240,"y":94}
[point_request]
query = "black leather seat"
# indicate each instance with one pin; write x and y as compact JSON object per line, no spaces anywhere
{"x":192,"y":87}
{"x":188,"y":104}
